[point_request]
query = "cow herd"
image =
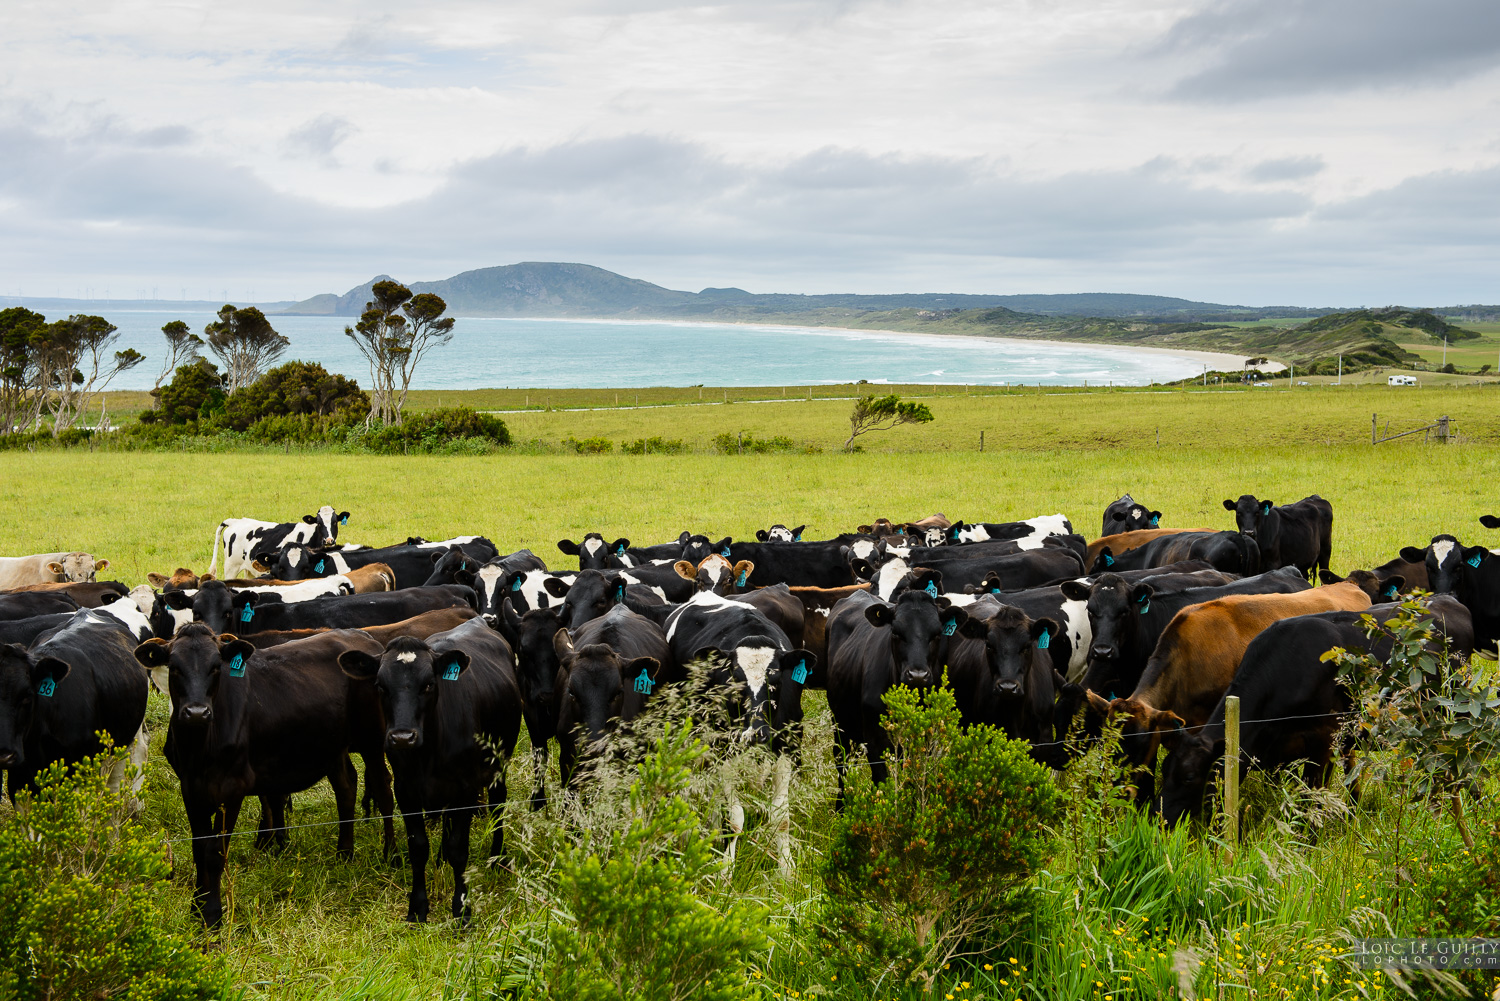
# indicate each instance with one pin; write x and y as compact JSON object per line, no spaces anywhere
{"x":424,"y":659}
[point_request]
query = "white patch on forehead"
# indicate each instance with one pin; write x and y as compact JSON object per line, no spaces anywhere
{"x":888,"y":576}
{"x":1081,"y":634}
{"x":592,"y":546}
{"x":755,"y":661}
{"x":1136,"y":512}
{"x":406,"y":658}
{"x":1052,"y":524}
{"x":294,"y":554}
{"x":489,"y":579}
{"x":974,"y":533}
{"x":862,"y":548}
{"x":1441,"y":549}
{"x":779,"y":535}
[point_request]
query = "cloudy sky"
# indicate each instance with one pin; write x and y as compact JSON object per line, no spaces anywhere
{"x":1253,"y":151}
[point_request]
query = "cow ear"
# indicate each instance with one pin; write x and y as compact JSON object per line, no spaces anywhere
{"x":1045,"y":627}
{"x":1141,"y":595}
{"x":861,"y":569}
{"x":619,"y":546}
{"x":1076,"y":590}
{"x":508,"y":615}
{"x":864,"y":530}
{"x":953,"y":619}
{"x":359,"y":665}
{"x":437,"y":556}
{"x":974,"y":629}
{"x":742,"y":571}
{"x":568,"y":547}
{"x":1392,"y":585}
{"x":157,"y":580}
{"x":649,"y":666}
{"x":1164,"y":719}
{"x":1229,"y":505}
{"x":617,"y":593}
{"x":464,"y":577}
{"x":722,"y":546}
{"x":101,"y":565}
{"x":450,"y":664}
{"x":562,"y":644}
{"x":56,"y":568}
{"x":1412,"y":554}
{"x":49,"y":669}
{"x":1098,"y":704}
{"x":153,"y":653}
{"x":685,"y":570}
{"x":1265,"y":507}
{"x":761,"y":535}
{"x":178,"y":601}
{"x":1489,"y":521}
{"x":343,"y":518}
{"x":1154,"y":519}
{"x":684,"y":538}
{"x":1329,"y":577}
{"x":878,"y":615}
{"x":206,"y":577}
{"x":231,"y":646}
{"x":555,"y":586}
{"x":308,"y":519}
{"x":1475,"y":555}
{"x":797,"y":533}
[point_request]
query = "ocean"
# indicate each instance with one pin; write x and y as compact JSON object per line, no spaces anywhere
{"x":543,"y":353}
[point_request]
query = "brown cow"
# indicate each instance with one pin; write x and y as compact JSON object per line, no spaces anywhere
{"x":91,"y":594}
{"x":1126,"y":541}
{"x":417,"y":627}
{"x":717,"y":574}
{"x":817,"y":606}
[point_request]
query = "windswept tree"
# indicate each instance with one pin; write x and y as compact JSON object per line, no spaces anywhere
{"x":182,"y":348}
{"x":394,"y":332}
{"x":75,"y":364}
{"x":21,"y":394}
{"x":881,"y":413}
{"x":245,"y":343}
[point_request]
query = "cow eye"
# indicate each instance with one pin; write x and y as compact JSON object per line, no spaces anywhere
{"x":427,"y":688}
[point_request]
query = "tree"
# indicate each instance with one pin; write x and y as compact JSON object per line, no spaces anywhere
{"x":296,"y":388}
{"x":245,"y":343}
{"x":194,"y":392}
{"x":73,"y":365}
{"x":182,"y":347}
{"x":21,"y":395}
{"x":881,"y":413}
{"x":394,"y":332}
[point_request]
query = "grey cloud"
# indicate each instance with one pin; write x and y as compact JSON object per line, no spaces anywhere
{"x":1287,"y":168}
{"x":1268,"y":48}
{"x":318,"y":137}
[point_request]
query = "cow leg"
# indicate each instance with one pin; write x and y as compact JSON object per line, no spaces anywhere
{"x":140,"y":748}
{"x":735,"y":821}
{"x":567,"y":756}
{"x":416,"y":852}
{"x":271,"y":818}
{"x":208,"y":861}
{"x":455,"y":850}
{"x":345,"y":784}
{"x":378,"y":789}
{"x":842,"y":748}
{"x":498,"y":793}
{"x":877,"y":743}
{"x":781,"y":814}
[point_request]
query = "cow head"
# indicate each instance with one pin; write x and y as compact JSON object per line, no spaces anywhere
{"x":591,"y":595}
{"x":697,"y":548}
{"x":1104,"y":562}
{"x":920,"y":626}
{"x":191,"y":666}
{"x":717,"y":574}
{"x":299,"y":563}
{"x":1187,"y":772}
{"x":1445,"y":558}
{"x":409,"y":678}
{"x":536,"y":658}
{"x":1115,"y":607}
{"x":454,"y":566}
{"x":24,"y":681}
{"x":594,"y":553}
{"x":766,"y":684}
{"x":76,"y":568}
{"x":328,"y":521}
{"x":593,"y":680}
{"x":1380,"y":589}
{"x":1012,"y":642}
{"x":1126,"y":515}
{"x":1250,"y":516}
{"x":218,"y":606}
{"x":1472,"y":575}
{"x":180,"y":578}
{"x":1145,"y":728}
{"x":780,"y":533}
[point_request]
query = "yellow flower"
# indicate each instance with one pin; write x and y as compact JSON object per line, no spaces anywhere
{"x":834,"y":977}
{"x":987,"y":966}
{"x":1012,"y":959}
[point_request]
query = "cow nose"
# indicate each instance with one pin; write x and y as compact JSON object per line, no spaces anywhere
{"x":197,"y":714}
{"x":1007,"y":688}
{"x":1103,"y":650}
{"x":8,"y":758}
{"x":402,"y":738}
{"x":918,"y":676}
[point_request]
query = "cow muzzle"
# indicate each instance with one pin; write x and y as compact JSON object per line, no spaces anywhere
{"x":916,"y":676}
{"x":9,"y":758}
{"x":402,"y":739}
{"x":196,"y":715}
{"x":1102,"y":652}
{"x":1007,"y":689}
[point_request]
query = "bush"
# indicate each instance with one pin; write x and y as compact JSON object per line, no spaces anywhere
{"x":79,"y":899}
{"x":745,"y":442}
{"x":589,"y":446}
{"x":297,"y":388}
{"x":432,"y":430}
{"x":928,"y":865}
{"x":195,"y":393}
{"x":653,"y":446}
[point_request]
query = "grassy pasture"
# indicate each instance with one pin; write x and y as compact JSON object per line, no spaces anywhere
{"x":303,"y":925}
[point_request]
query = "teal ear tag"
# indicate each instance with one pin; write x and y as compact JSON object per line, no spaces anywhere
{"x":1109,"y":560}
{"x":950,"y":627}
{"x":643,"y":683}
{"x":319,"y":567}
{"x":931,"y":588}
{"x":740,"y":580}
{"x":46,"y":687}
{"x":450,"y":671}
{"x":343,"y":519}
{"x":515,"y":585}
{"x":1154,"y":520}
{"x":237,"y":666}
{"x":724,"y":552}
{"x":1475,"y":560}
{"x":247,"y":613}
{"x":619,"y":550}
{"x":1146,"y":606}
{"x":1390,"y":592}
{"x":1044,"y":641}
{"x":800,"y":672}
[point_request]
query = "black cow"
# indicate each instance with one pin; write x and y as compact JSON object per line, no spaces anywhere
{"x":25,"y":604}
{"x":77,"y":680}
{"x":24,"y":631}
{"x":1126,"y":515}
{"x":453,"y":712}
{"x":593,"y":593}
{"x":1126,"y":618}
{"x":412,"y":564}
{"x":779,"y":533}
{"x":1002,"y":675}
{"x":454,"y":566}
{"x":226,"y":610}
{"x":607,"y":669}
{"x":1293,"y":535}
{"x":621,"y":555}
{"x":530,"y":635}
{"x":1228,"y":551}
{"x":873,"y":646}
{"x":1015,"y":572}
{"x":264,"y":723}
{"x":750,"y":653}
{"x":1291,"y":703}
{"x":808,"y":564}
{"x":1472,"y":575}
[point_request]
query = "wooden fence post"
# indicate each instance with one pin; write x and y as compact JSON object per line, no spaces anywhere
{"x":981,"y":441}
{"x":1232,"y":770}
{"x":1373,"y":425}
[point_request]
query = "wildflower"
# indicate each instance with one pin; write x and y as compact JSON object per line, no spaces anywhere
{"x":987,"y":966}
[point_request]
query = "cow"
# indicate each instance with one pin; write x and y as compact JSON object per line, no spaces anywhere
{"x":25,"y":631}
{"x":1126,"y":618}
{"x":1293,"y":535}
{"x":454,"y":566}
{"x":76,"y":680}
{"x":89,"y":594}
{"x":806,"y":564}
{"x":1195,"y":660}
{"x":419,"y":626}
{"x":1002,"y":676}
{"x":817,"y":605}
{"x":525,"y":590}
{"x":48,"y":568}
{"x":1230,"y":551}
{"x":252,"y":611}
{"x":453,"y":712}
{"x":607,"y":669}
{"x":595,"y":554}
{"x":874,"y":645}
{"x":265,"y":723}
{"x":779,"y":533}
{"x":1021,"y":570}
{"x":1028,"y":534}
{"x":245,"y":540}
{"x":716,"y":574}
{"x":1472,"y":575}
{"x":1124,"y":542}
{"x":1125,"y":515}
{"x":530,"y":635}
{"x":1379,"y":588}
{"x":593,"y":593}
{"x":24,"y":604}
{"x":1291,"y":702}
{"x":412,"y":564}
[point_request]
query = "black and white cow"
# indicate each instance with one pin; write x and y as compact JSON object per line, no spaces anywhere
{"x":1126,"y":515}
{"x":454,"y":566}
{"x":779,"y":533}
{"x":245,"y":540}
{"x":525,"y":590}
{"x":1472,"y":575}
{"x":412,"y":564}
{"x":1293,"y":535}
{"x":595,"y":554}
{"x":1034,"y":568}
{"x":242,"y":611}
{"x":1027,"y":534}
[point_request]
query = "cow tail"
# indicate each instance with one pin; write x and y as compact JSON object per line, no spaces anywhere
{"x":214,"y":560}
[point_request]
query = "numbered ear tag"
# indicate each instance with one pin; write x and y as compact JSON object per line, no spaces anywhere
{"x":1390,"y":592}
{"x":800,"y":672}
{"x":319,"y":567}
{"x":643,"y":683}
{"x":724,"y":552}
{"x":46,"y":687}
{"x":1154,"y":520}
{"x":950,"y":627}
{"x":237,"y":666}
{"x":515,"y":585}
{"x":247,"y":613}
{"x":1475,"y":560}
{"x":450,"y":671}
{"x":1044,"y":641}
{"x":931,"y":588}
{"x":740,"y":580}
{"x":1109,"y":560}
{"x":1145,"y":606}
{"x":343,"y":519}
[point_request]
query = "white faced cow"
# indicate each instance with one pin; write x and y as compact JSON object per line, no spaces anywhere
{"x":245,"y":539}
{"x":48,"y":568}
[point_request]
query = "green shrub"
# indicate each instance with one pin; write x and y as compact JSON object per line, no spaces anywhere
{"x":589,"y":446}
{"x":80,"y":891}
{"x":431,"y":430}
{"x":928,"y":865}
{"x":655,"y":445}
{"x":297,"y":388}
{"x":746,"y":443}
{"x":195,"y":393}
